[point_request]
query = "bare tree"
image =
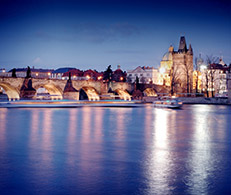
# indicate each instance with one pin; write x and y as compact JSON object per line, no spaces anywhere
{"x":174,"y":79}
{"x":187,"y":72}
{"x":211,"y":72}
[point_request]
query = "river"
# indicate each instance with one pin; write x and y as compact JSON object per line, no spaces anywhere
{"x":96,"y":150}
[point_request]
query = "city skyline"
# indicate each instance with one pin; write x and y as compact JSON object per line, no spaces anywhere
{"x":94,"y":34}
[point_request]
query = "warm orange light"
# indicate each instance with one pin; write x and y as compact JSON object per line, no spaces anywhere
{"x":88,"y":77}
{"x":49,"y":73}
{"x":36,"y":74}
{"x":121,"y":78}
{"x":100,"y":77}
{"x":74,"y":76}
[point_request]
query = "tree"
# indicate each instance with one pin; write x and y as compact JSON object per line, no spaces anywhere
{"x":174,"y":79}
{"x":211,"y":72}
{"x":187,"y":72}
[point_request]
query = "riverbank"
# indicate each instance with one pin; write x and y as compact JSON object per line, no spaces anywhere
{"x":203,"y":100}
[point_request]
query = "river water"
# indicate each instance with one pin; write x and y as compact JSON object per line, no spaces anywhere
{"x":96,"y":150}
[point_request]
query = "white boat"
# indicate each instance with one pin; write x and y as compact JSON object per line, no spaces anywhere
{"x":168,"y":102}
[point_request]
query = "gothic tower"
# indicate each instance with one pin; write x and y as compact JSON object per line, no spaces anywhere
{"x":181,"y":61}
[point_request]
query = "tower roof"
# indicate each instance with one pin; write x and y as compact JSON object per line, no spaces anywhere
{"x":182,"y":45}
{"x":190,"y":51}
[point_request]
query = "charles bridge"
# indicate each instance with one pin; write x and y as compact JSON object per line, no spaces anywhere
{"x":26,"y":88}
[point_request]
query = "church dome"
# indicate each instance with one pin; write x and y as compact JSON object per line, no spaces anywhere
{"x":167,"y":56}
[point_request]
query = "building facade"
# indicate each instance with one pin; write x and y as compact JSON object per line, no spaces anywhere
{"x":178,"y":64}
{"x":145,"y":74}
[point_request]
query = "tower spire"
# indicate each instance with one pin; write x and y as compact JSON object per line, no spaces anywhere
{"x":182,"y":45}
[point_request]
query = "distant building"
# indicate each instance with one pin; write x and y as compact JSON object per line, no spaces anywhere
{"x":215,"y":78}
{"x":35,"y":73}
{"x":76,"y":74}
{"x":3,"y":72}
{"x":145,"y":74}
{"x":118,"y":75}
{"x":93,"y":75}
{"x":58,"y":73}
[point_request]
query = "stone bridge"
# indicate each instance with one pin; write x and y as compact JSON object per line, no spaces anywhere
{"x":55,"y":87}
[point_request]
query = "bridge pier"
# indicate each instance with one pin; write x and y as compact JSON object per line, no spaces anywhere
{"x":27,"y":91}
{"x":70,"y":93}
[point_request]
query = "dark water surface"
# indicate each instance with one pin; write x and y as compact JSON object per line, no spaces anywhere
{"x":116,"y":150}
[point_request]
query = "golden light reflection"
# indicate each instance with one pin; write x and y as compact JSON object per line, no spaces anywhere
{"x":148,"y":120}
{"x":3,"y":112}
{"x":159,"y":165}
{"x":91,"y":93}
{"x":71,"y":137}
{"x":124,"y":95}
{"x":34,"y":126}
{"x":86,"y":124}
{"x":89,"y":168}
{"x":72,"y":125}
{"x":122,"y":116}
{"x":98,"y":127}
{"x":200,"y":161}
{"x":46,"y":139}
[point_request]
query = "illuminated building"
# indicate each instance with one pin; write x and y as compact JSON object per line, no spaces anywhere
{"x":182,"y":60}
{"x":35,"y":72}
{"x":118,"y":75}
{"x":145,"y":74}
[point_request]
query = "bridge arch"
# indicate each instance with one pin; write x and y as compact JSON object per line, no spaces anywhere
{"x":150,"y":92}
{"x":89,"y":93}
{"x":123,"y":94}
{"x":11,"y":92}
{"x":54,"y":91}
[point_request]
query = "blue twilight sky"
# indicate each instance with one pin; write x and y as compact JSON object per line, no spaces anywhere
{"x":95,"y":33}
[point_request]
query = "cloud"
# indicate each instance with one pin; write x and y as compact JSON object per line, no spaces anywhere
{"x":36,"y":60}
{"x":123,"y":51}
{"x":98,"y":33}
{"x":91,"y":32}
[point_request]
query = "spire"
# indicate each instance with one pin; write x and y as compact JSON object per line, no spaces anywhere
{"x":190,"y":51}
{"x":182,"y":45}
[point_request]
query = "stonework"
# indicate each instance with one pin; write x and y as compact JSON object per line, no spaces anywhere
{"x":27,"y":91}
{"x":182,"y":60}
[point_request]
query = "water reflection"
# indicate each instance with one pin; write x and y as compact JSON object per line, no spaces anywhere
{"x":86,"y":124}
{"x":72,"y":135}
{"x":47,"y":137}
{"x":34,"y":134}
{"x":98,"y":124}
{"x":200,"y":164}
{"x":115,"y":150}
{"x":3,"y":115}
{"x":159,"y":162}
